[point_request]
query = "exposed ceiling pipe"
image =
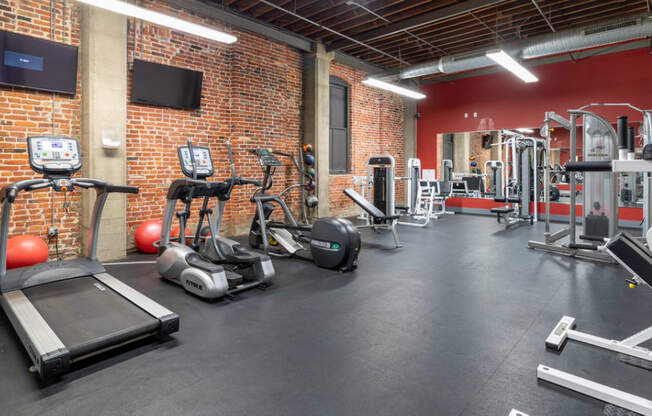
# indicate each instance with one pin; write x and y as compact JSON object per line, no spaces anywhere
{"x":612,"y":31}
{"x":319,"y":25}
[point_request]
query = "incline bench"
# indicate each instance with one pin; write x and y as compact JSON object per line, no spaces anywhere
{"x":380,"y":221}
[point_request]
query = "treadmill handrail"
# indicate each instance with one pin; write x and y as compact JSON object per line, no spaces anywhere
{"x":9,"y":193}
{"x":12,"y":190}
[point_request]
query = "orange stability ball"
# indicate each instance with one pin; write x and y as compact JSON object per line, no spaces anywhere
{"x":147,"y":233}
{"x":26,"y":250}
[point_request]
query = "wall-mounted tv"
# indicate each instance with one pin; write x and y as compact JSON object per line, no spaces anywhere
{"x":38,"y":64}
{"x":166,"y":86}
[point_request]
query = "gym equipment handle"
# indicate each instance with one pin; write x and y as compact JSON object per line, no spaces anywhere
{"x":243,"y":181}
{"x":600,"y":166}
{"x":123,"y":189}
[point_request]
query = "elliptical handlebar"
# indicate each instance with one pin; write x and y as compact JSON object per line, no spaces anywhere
{"x":192,"y":160}
{"x":294,"y":161}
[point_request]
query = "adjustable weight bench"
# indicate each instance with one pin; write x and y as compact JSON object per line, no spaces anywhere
{"x":377,"y":219}
{"x":637,"y":259}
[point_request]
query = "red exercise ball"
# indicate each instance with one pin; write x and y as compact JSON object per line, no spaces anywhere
{"x":26,"y":250}
{"x":147,"y":233}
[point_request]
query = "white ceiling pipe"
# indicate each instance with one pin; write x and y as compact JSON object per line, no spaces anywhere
{"x":617,"y":30}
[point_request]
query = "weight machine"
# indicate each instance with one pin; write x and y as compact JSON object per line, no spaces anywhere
{"x":600,"y":216}
{"x":421,"y":197}
{"x":380,"y":214}
{"x":493,"y":170}
{"x":520,"y":182}
{"x":631,"y":253}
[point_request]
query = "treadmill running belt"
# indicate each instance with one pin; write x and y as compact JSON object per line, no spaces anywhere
{"x":88,"y":316}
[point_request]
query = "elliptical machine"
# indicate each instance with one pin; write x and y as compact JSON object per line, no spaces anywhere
{"x":334,"y":242}
{"x":210,"y":266}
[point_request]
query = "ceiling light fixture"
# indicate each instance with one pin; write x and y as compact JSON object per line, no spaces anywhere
{"x":503,"y":59}
{"x":524,"y":130}
{"x":373,"y":82}
{"x":161,"y":19}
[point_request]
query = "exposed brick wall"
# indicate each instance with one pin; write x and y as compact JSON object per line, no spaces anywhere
{"x":26,"y":113}
{"x":251,"y":96}
{"x":376,"y":128}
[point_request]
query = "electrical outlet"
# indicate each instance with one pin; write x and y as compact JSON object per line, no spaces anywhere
{"x":53,"y":232}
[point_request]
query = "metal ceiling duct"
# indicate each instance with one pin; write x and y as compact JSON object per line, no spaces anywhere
{"x":612,"y":31}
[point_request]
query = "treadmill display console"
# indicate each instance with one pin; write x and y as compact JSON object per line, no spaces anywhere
{"x":203,"y":161}
{"x":267,"y":158}
{"x":54,"y":155}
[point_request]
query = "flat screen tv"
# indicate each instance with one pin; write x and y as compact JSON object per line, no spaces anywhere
{"x":38,"y":64}
{"x":166,"y":86}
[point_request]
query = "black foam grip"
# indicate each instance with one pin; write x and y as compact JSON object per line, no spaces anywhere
{"x":123,"y":189}
{"x":598,"y":166}
{"x":622,"y":132}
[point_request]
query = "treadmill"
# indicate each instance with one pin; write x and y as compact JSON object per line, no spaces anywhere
{"x":67,"y":310}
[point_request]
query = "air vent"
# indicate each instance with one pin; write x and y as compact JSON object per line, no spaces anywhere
{"x":609,"y":28}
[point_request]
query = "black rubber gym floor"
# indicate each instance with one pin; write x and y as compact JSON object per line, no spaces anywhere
{"x":451,"y":324}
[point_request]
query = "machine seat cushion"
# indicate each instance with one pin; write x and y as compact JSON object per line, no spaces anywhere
{"x":502,"y":210}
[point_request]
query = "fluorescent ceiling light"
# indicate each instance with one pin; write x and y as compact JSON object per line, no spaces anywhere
{"x":161,"y":19}
{"x":373,"y":82}
{"x":503,"y":59}
{"x":524,"y":130}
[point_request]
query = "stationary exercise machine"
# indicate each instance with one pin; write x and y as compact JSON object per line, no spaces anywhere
{"x":420,"y":197}
{"x":521,"y":184}
{"x":381,"y":209}
{"x":600,"y":213}
{"x":210,"y":266}
{"x":493,"y":170}
{"x":66,"y":310}
{"x":446,"y":170}
{"x":332,"y":243}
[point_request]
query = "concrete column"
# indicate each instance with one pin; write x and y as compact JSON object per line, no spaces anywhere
{"x":317,"y":120}
{"x":462,"y":152}
{"x":496,"y":151}
{"x":409,"y":132}
{"x":104,"y":111}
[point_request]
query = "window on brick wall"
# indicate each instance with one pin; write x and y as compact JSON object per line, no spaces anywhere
{"x":340,"y":132}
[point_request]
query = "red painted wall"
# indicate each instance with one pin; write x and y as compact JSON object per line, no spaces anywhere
{"x":503,"y":101}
